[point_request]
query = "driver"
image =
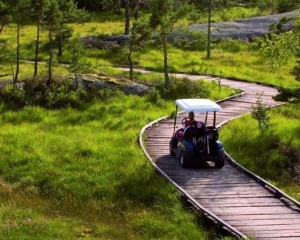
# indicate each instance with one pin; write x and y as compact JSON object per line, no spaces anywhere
{"x":189,"y":122}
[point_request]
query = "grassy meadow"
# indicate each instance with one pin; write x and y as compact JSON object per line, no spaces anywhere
{"x":68,"y":174}
{"x":79,"y":173}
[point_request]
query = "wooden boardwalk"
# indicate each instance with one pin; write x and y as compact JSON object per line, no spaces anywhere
{"x":238,"y":201}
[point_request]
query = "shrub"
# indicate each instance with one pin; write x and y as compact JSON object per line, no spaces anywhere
{"x":287,"y":159}
{"x":260,"y":113}
{"x":155,"y":97}
{"x":14,"y":96}
{"x":186,"y":39}
{"x":61,"y":93}
{"x":288,"y":94}
{"x":183,"y":88}
{"x":61,"y":96}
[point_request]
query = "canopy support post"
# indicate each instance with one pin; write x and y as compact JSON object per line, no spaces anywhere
{"x":175,"y":118}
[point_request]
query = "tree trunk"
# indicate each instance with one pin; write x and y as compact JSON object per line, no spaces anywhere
{"x":18,"y":55}
{"x":1,"y":59}
{"x":60,"y":45}
{"x":76,"y":81}
{"x":1,"y":27}
{"x":127,"y":17}
{"x":136,"y":10}
{"x":208,"y":30}
{"x":130,"y":63}
{"x":166,"y":72}
{"x":60,"y":42}
{"x":12,"y":70}
{"x":36,"y":49}
{"x":49,"y":81}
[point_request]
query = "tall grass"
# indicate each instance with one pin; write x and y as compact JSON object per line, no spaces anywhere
{"x":80,"y":173}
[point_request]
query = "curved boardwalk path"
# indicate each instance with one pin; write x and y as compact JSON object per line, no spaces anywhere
{"x":232,"y":197}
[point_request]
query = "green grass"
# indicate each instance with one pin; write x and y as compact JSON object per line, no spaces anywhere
{"x":80,"y":173}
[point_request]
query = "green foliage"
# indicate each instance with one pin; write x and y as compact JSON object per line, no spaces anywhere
{"x":140,"y":33}
{"x":65,"y":32}
{"x":62,"y":96}
{"x":260,"y":113}
{"x":186,"y":39}
{"x":296,"y":71}
{"x":232,"y":13}
{"x":88,"y":168}
{"x":271,"y":5}
{"x":14,"y":96}
{"x":79,"y":63}
{"x":155,"y":97}
{"x":288,"y":94}
{"x":277,"y":50}
{"x":63,"y":92}
{"x":183,"y":88}
{"x":278,"y":28}
{"x":164,"y":15}
{"x":287,"y":5}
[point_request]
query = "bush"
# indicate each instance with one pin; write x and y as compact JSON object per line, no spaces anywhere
{"x":155,"y":97}
{"x":286,"y":164}
{"x":14,"y":96}
{"x":183,"y":88}
{"x":260,"y":113}
{"x":288,"y":95}
{"x":61,"y":93}
{"x":186,"y":39}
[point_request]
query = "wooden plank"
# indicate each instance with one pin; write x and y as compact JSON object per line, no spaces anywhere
{"x":286,"y":235}
{"x":264,"y":222}
{"x":198,"y":195}
{"x":252,"y":210}
{"x":227,"y":191}
{"x":283,"y":230}
{"x":239,"y":202}
{"x":240,"y":217}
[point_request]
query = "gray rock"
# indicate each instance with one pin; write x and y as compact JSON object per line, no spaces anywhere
{"x":125,"y":85}
{"x":245,"y":29}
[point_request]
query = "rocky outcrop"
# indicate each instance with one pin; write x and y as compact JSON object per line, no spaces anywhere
{"x":104,"y":81}
{"x":245,"y":29}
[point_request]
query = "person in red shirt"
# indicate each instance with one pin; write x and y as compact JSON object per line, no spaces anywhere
{"x":190,"y":121}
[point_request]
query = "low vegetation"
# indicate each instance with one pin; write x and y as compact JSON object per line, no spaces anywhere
{"x":70,"y":173}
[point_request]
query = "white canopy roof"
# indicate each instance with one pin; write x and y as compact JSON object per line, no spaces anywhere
{"x":198,"y":105}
